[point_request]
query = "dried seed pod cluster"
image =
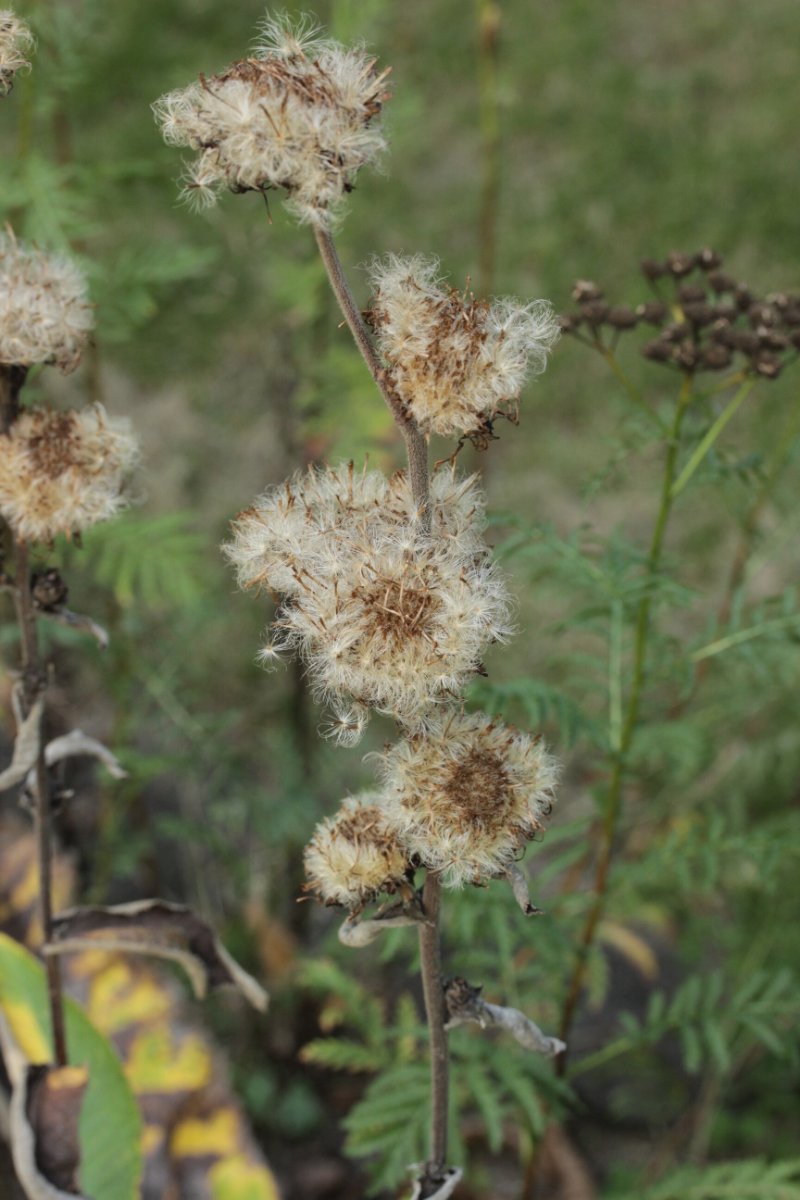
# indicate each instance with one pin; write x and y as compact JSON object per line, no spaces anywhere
{"x":386,"y":615}
{"x":300,"y":115}
{"x":45,"y":315}
{"x":708,"y":321}
{"x":456,"y":363}
{"x":62,"y":472}
{"x":16,"y":43}
{"x":462,"y":798}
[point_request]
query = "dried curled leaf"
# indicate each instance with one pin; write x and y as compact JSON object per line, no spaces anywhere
{"x":464,"y":1003}
{"x":43,"y":1122}
{"x":519,"y":887}
{"x":77,"y":744}
{"x":79,"y":621}
{"x":26,"y":743}
{"x":163,"y":930}
{"x":44,"y":1130}
{"x":356,"y":934}
{"x":440,"y":1188}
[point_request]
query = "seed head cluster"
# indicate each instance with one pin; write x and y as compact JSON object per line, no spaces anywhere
{"x":706,"y":319}
{"x":387,"y":616}
{"x":61,"y":472}
{"x":466,"y":798}
{"x":354,"y":855}
{"x":45,"y":315}
{"x":300,"y":115}
{"x":16,"y":43}
{"x":457,"y":363}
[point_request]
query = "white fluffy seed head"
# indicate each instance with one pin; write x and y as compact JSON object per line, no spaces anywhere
{"x":353,"y":856}
{"x":16,"y":43}
{"x":457,"y":363}
{"x":386,"y":616}
{"x":61,"y":472}
{"x":465,"y":797}
{"x":45,"y":315}
{"x":301,"y":115}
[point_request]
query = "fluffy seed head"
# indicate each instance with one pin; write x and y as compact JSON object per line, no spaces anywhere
{"x":16,"y":42}
{"x":468,"y":795}
{"x":353,"y":856}
{"x":45,"y":315}
{"x":299,"y":115}
{"x":61,"y":472}
{"x":457,"y":362}
{"x":385,"y":615}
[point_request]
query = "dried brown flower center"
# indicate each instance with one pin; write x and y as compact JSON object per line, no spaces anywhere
{"x":298,"y":77}
{"x":400,"y":610}
{"x":364,"y":825}
{"x":54,"y":446}
{"x":479,"y":788}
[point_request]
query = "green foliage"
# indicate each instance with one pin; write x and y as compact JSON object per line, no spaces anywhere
{"x":532,"y":702}
{"x":389,"y":1125}
{"x":751,"y":1179}
{"x":380,"y":1042}
{"x":157,"y":561}
{"x":718,"y":1022}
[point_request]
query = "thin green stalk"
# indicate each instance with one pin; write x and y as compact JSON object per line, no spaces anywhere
{"x":600,"y":1057}
{"x":633,"y":393}
{"x":614,"y":797}
{"x":615,"y":678}
{"x":700,"y":452}
{"x":489,"y":20}
{"x":744,"y":635}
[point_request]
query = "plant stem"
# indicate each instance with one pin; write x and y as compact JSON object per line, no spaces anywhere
{"x":489,"y":20}
{"x":433,"y":990}
{"x":711,"y":436}
{"x":33,"y":681}
{"x":429,"y":931}
{"x":614,"y":799}
{"x":416,"y":446}
{"x":634,"y":395}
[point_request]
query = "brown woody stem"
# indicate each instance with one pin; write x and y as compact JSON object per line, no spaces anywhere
{"x":429,"y":931}
{"x":430,"y":953}
{"x":33,"y":681}
{"x":416,"y":446}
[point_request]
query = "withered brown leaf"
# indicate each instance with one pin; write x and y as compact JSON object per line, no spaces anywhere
{"x":161,"y":929}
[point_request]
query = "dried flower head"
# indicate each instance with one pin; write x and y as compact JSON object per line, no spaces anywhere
{"x":300,"y":115}
{"x":354,"y":856}
{"x":457,"y":363}
{"x":465,"y":798}
{"x":61,"y":472}
{"x":16,"y":42}
{"x":385,"y":615}
{"x":45,"y":315}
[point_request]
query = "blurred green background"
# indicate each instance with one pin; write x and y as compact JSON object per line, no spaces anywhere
{"x":531,"y":144}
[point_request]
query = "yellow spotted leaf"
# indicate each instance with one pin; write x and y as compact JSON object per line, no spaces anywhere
{"x":158,"y":1062}
{"x":240,"y":1179}
{"x":109,"y":1126}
